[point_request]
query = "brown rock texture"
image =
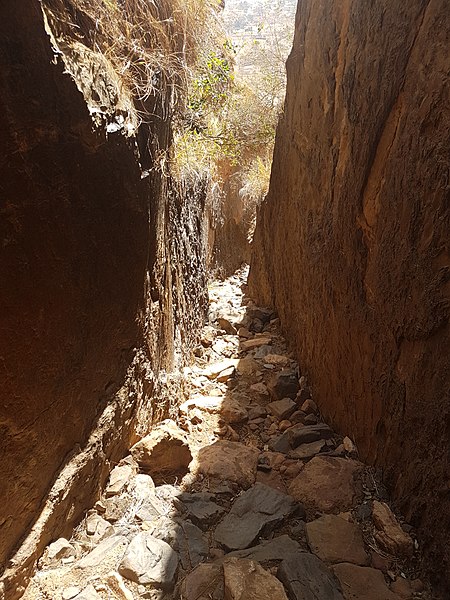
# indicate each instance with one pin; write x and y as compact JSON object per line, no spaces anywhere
{"x":351,"y":244}
{"x":93,"y":290}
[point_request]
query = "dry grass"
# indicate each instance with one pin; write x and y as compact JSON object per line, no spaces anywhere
{"x":150,"y":43}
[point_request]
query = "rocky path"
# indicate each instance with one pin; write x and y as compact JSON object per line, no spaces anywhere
{"x":249,"y":496}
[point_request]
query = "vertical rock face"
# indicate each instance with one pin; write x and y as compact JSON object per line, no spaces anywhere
{"x":102,"y":274}
{"x":351,"y":244}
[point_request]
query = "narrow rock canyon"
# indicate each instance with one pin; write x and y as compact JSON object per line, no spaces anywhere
{"x":283,"y":432}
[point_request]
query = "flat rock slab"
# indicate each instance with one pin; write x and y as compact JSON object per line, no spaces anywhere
{"x":229,"y":408}
{"x":228,"y":461}
{"x":113,"y":544}
{"x":282,"y":409}
{"x":259,"y":508}
{"x":363,"y":583}
{"x":284,"y":385}
{"x":300,"y":434}
{"x":119,"y":478}
{"x":149,"y":561}
{"x":256,"y":343}
{"x":327,"y":484}
{"x":204,"y":582}
{"x":390,"y":535}
{"x":306,"y":451}
{"x":165,"y":449}
{"x":183,"y":537}
{"x":213,"y":370}
{"x":307,"y":578}
{"x":246,"y":580}
{"x":335,"y":540}
{"x":200,"y":509}
{"x":248,"y":366}
{"x":280,"y":548}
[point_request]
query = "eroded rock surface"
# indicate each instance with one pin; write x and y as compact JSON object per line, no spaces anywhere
{"x":350,"y":243}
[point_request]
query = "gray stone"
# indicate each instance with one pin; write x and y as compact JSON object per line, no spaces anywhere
{"x":102,"y":551}
{"x":182,"y":536}
{"x":300,"y":434}
{"x":284,"y":385}
{"x":280,"y":548}
{"x":263,"y":351}
{"x":260,"y":508}
{"x":88,"y":593}
{"x":246,"y":580}
{"x":256,"y":412}
{"x":98,"y":528}
{"x":282,"y":409}
{"x":200,"y":509}
{"x":305,"y":451}
{"x":149,"y":561}
{"x":118,"y":479}
{"x":263,"y":314}
{"x":60,"y":549}
{"x":307,"y":578}
{"x":116,"y":507}
{"x":150,"y":509}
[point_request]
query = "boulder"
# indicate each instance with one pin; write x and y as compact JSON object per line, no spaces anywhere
{"x":115,"y":544}
{"x":282,"y":409}
{"x":284,"y":385}
{"x":301,"y":434}
{"x":118,"y":479}
{"x":165,"y":449}
{"x":306,"y":451}
{"x":246,"y":580}
{"x":200,"y":509}
{"x":327,"y":484}
{"x":259,"y":508}
{"x":307,"y":578}
{"x":205,"y":581}
{"x":335,"y":540}
{"x":149,"y":561}
{"x":279,"y":548}
{"x":228,"y":461}
{"x":363,"y":582}
{"x":390,"y":535}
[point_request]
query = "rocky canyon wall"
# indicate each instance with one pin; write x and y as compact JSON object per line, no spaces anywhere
{"x":351,"y":245}
{"x":102,"y":277}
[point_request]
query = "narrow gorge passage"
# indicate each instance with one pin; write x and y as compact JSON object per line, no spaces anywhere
{"x":246,"y":494}
{"x":284,"y":432}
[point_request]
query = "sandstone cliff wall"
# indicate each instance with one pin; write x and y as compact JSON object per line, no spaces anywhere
{"x":102,"y":277}
{"x":352,"y":247}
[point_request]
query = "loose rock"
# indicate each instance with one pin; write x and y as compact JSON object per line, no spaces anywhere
{"x":205,"y":581}
{"x":307,"y":578}
{"x":247,"y":580}
{"x":280,"y":548}
{"x":261,"y":507}
{"x":335,"y":540}
{"x":284,"y":385}
{"x":228,"y":461}
{"x":390,"y":535}
{"x":327,"y":484}
{"x":362,"y":582}
{"x":299,"y":434}
{"x":282,"y":409}
{"x":165,"y":449}
{"x":149,"y":560}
